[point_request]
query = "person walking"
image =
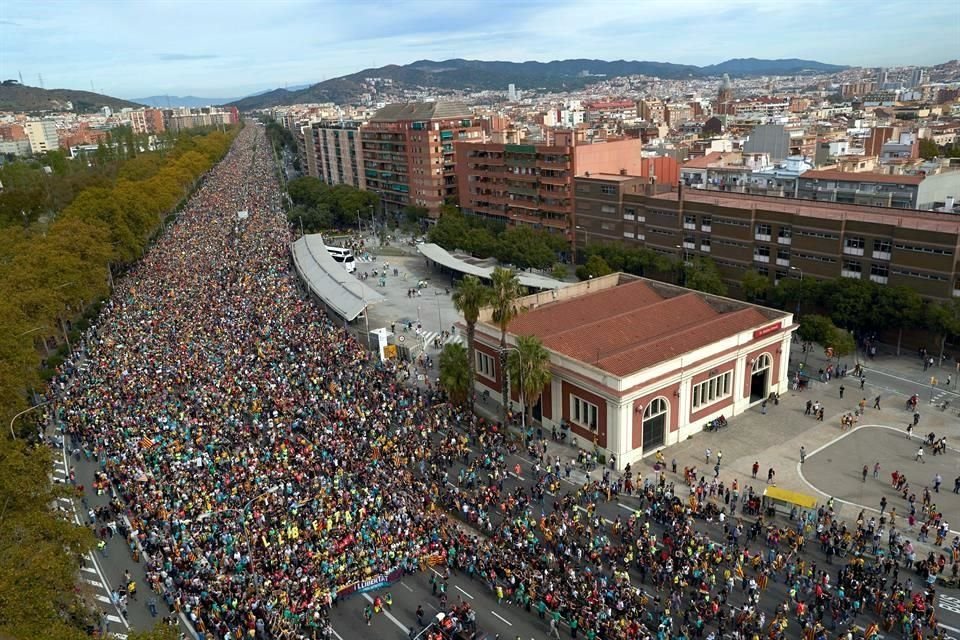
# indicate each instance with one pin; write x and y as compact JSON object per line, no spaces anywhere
{"x":937,"y":481}
{"x":919,"y":457}
{"x":883,"y":504}
{"x":876,"y":402}
{"x":803,"y":454}
{"x":841,"y":391}
{"x":916,"y":418}
{"x":864,"y":474}
{"x":876,"y":470}
{"x":909,"y":431}
{"x":770,"y":474}
{"x":719,"y":456}
{"x":706,"y":455}
{"x":756,"y":468}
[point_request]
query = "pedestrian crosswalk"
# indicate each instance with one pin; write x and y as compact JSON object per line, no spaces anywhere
{"x":430,"y":337}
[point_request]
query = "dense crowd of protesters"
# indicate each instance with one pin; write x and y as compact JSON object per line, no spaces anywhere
{"x":266,"y":461}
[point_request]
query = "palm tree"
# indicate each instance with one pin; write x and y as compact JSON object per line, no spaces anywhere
{"x":506,"y":291}
{"x":469,"y":297}
{"x":530,"y":364}
{"x":455,"y":372}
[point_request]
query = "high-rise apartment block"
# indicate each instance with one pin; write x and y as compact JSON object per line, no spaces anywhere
{"x":42,"y":135}
{"x":532,"y":184}
{"x":408,"y":153}
{"x":333,"y":152}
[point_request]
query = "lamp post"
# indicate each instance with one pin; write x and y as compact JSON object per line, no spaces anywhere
{"x":14,"y":419}
{"x":586,"y":241}
{"x":523,"y":406}
{"x":799,"y":293}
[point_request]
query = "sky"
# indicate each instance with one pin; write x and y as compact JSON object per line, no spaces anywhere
{"x":232,"y":48}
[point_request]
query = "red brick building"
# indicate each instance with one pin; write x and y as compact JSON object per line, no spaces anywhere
{"x":639,"y":364}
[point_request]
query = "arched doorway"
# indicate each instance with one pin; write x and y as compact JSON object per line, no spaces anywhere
{"x":655,"y":424}
{"x":760,"y":377}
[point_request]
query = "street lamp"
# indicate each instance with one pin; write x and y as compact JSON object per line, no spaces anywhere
{"x":523,"y":404}
{"x":800,"y":293}
{"x":586,"y":241}
{"x":14,"y":419}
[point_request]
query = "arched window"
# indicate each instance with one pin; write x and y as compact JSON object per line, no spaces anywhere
{"x":763,"y":361}
{"x":657,"y":406}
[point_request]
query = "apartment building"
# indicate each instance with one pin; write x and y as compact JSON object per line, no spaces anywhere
{"x":777,"y":237}
{"x":332,"y":152}
{"x":42,"y":135}
{"x":880,"y":189}
{"x":532,"y":184}
{"x":408,"y":152}
{"x":146,"y":121}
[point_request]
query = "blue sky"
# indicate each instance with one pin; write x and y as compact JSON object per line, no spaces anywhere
{"x":219,"y":48}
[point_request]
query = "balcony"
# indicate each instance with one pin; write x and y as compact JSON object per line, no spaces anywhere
{"x":785,"y":241}
{"x":762,"y":237}
{"x":881,"y":255}
{"x":883,"y":280}
{"x":554,"y":180}
{"x":628,"y":216}
{"x":853,"y":251}
{"x":759,"y":258}
{"x":689,"y":245}
{"x":850,"y":274}
{"x":628,"y":234}
{"x":692,"y":226}
{"x":705,"y":248}
{"x":783,"y":262}
{"x":706,"y":228}
{"x":555,"y":207}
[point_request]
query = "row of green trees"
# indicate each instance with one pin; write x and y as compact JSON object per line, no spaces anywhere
{"x":528,"y":362}
{"x":700,"y":273}
{"x":53,"y":273}
{"x":522,"y":246}
{"x":319,"y":207}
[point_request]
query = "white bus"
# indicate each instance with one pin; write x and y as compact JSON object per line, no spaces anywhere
{"x":344,"y":256}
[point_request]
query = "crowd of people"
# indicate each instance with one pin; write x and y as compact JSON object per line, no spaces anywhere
{"x":267,"y":462}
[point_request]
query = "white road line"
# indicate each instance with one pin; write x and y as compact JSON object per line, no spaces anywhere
{"x":512,"y":474}
{"x":502,"y":618}
{"x":630,"y":509}
{"x":386,"y":613}
{"x":95,"y":583}
{"x":464,"y":593}
{"x":63,"y":499}
{"x":432,"y":607}
{"x":111,"y":618}
{"x":334,"y":632}
{"x":406,"y":587}
{"x":88,"y":569}
{"x":948,"y":627}
{"x":102,"y":598}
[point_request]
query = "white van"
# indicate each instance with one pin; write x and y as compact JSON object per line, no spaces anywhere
{"x":344,"y":256}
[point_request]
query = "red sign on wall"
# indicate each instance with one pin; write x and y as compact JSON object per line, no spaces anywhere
{"x":759,"y":333}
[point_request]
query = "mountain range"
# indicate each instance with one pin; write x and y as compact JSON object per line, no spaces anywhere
{"x":19,"y":97}
{"x":479,"y":75}
{"x":164,"y":102}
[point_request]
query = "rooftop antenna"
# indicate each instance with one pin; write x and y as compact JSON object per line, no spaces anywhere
{"x":21,"y":76}
{"x":40,"y":76}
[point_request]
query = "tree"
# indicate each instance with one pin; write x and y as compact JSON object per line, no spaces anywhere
{"x":455,"y":372}
{"x":558,"y":271}
{"x":506,"y":292}
{"x":595,"y":267}
{"x":160,"y":631}
{"x":928,"y":149}
{"x":469,"y":297}
{"x":849,"y":301}
{"x":39,"y":550}
{"x":816,"y":328}
{"x":755,"y":286}
{"x":896,"y":307}
{"x":702,"y":274}
{"x":944,"y":318}
{"x":530,"y":365}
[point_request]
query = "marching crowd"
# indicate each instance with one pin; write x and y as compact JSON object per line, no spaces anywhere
{"x":267,"y":462}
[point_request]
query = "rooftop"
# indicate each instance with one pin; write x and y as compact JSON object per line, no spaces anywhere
{"x":403,"y":111}
{"x":846,"y":176}
{"x":632,"y":326}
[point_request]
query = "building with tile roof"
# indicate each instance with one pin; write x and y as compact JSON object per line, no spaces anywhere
{"x":639,"y":364}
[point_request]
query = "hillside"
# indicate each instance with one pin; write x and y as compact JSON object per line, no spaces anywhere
{"x":18,"y":97}
{"x":163,"y":102}
{"x":557,"y":75}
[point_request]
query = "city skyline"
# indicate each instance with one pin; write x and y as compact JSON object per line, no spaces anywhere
{"x":131,"y":50}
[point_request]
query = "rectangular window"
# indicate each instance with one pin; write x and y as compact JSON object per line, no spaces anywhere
{"x":712,"y":390}
{"x":608,"y":190}
{"x":583,"y":413}
{"x":485,"y":366}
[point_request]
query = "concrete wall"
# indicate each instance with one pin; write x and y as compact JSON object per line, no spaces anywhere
{"x":610,"y":157}
{"x":935,"y":189}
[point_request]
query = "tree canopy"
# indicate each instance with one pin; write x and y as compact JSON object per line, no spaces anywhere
{"x":320,"y":207}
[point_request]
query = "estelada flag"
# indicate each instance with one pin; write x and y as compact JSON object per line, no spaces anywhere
{"x":872,"y":630}
{"x":739,"y":571}
{"x":146,"y":443}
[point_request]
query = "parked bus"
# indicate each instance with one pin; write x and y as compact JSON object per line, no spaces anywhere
{"x":344,"y":256}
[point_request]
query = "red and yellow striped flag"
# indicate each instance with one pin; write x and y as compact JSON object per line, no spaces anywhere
{"x":146,"y":443}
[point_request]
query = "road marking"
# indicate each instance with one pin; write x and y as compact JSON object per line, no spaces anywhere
{"x":948,"y":627}
{"x":95,"y":583}
{"x":333,"y":631}
{"x":406,"y":587}
{"x":512,"y":474}
{"x":88,"y":569}
{"x":112,"y":618}
{"x":464,"y":593}
{"x":103,"y":598}
{"x":67,"y":500}
{"x":387,"y":613}
{"x":502,"y":618}
{"x":630,"y":509}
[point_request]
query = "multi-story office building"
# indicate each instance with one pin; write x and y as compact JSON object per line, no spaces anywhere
{"x":532,"y":184}
{"x":777,"y":237}
{"x":333,"y":153}
{"x":408,"y":154}
{"x":898,"y":191}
